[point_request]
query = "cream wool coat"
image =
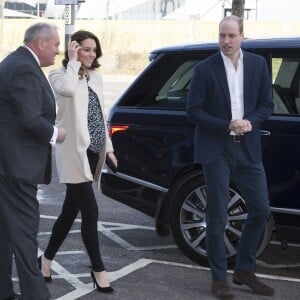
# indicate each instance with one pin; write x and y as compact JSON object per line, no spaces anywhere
{"x":71,"y":95}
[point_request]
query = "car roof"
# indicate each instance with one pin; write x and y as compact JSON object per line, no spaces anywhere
{"x":262,"y":43}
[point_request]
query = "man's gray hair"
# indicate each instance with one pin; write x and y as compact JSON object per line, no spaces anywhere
{"x":38,"y":30}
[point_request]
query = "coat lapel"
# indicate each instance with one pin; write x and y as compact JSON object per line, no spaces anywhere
{"x":39,"y":70}
{"x":222,"y":78}
{"x":249,"y":66}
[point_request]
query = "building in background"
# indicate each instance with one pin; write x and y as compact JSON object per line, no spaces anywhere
{"x":24,"y":8}
{"x":206,"y":10}
{"x":260,"y":10}
{"x":118,"y":9}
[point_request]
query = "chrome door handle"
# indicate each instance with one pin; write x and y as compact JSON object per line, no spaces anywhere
{"x":265,"y":132}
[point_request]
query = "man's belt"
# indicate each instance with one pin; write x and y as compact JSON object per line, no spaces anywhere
{"x":238,"y":138}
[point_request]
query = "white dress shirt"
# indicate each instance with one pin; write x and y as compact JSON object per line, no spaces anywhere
{"x":235,"y":80}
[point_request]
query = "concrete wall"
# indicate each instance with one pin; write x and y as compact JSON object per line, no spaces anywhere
{"x":122,"y":40}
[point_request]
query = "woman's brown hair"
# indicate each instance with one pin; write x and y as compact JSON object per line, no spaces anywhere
{"x":80,"y":36}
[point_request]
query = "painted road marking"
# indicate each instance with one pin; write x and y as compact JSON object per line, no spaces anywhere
{"x":275,"y":266}
{"x":108,"y":228}
{"x":82,"y":289}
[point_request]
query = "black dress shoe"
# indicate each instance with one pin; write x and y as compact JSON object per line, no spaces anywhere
{"x":14,"y":297}
{"x":249,"y":278}
{"x":221,"y":290}
{"x":47,"y":278}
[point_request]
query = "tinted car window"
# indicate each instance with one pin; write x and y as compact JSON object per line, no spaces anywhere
{"x":169,"y":88}
{"x":286,"y":85}
{"x":166,"y":86}
{"x":175,"y":90}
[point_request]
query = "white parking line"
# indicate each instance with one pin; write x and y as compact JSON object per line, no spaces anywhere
{"x":126,"y":245}
{"x":275,"y":266}
{"x":107,"y":228}
{"x":82,"y":289}
{"x":110,"y":230}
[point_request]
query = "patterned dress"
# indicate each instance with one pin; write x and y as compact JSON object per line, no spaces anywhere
{"x":95,"y":122}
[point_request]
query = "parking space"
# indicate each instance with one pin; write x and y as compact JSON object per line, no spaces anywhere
{"x":141,"y":265}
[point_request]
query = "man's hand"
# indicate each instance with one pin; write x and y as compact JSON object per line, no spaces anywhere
{"x":240,"y":126}
{"x":61,"y":135}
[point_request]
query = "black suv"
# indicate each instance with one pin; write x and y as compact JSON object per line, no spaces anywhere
{"x":154,"y":145}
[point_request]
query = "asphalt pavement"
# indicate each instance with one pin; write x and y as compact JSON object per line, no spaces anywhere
{"x":142,"y":265}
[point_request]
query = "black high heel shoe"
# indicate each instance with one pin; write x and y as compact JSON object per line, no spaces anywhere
{"x":47,"y":278}
{"x":106,"y":290}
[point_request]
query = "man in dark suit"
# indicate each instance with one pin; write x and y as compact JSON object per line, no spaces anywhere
{"x":230,"y":96}
{"x":27,"y":116}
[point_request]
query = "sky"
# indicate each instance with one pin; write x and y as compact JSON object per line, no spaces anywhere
{"x":278,"y":10}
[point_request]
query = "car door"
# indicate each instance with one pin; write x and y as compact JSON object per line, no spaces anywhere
{"x":281,"y":149}
{"x":159,"y":139}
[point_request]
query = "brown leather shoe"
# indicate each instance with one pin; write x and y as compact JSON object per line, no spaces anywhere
{"x":249,"y":278}
{"x":221,"y":290}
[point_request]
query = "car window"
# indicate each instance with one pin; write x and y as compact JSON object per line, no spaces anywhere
{"x":285,"y":78}
{"x":174,"y":91}
{"x":170,"y":78}
{"x":166,"y":83}
{"x":286,"y":85}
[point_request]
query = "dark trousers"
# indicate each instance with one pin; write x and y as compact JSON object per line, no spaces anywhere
{"x":19,"y":223}
{"x":234,"y":164}
{"x":79,"y":197}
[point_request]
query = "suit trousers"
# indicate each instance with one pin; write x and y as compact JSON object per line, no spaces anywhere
{"x":234,"y":165}
{"x":19,"y":223}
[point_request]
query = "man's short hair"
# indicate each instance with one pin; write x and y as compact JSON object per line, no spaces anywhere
{"x":38,"y":30}
{"x":237,"y":19}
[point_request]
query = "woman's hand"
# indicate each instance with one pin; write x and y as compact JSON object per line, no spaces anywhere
{"x":111,"y":156}
{"x":73,"y":48}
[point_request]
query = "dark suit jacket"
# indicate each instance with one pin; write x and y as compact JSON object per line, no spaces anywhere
{"x":27,"y":116}
{"x":209,"y":106}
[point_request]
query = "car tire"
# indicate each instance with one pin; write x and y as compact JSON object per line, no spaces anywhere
{"x":266,"y":237}
{"x":188,"y":220}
